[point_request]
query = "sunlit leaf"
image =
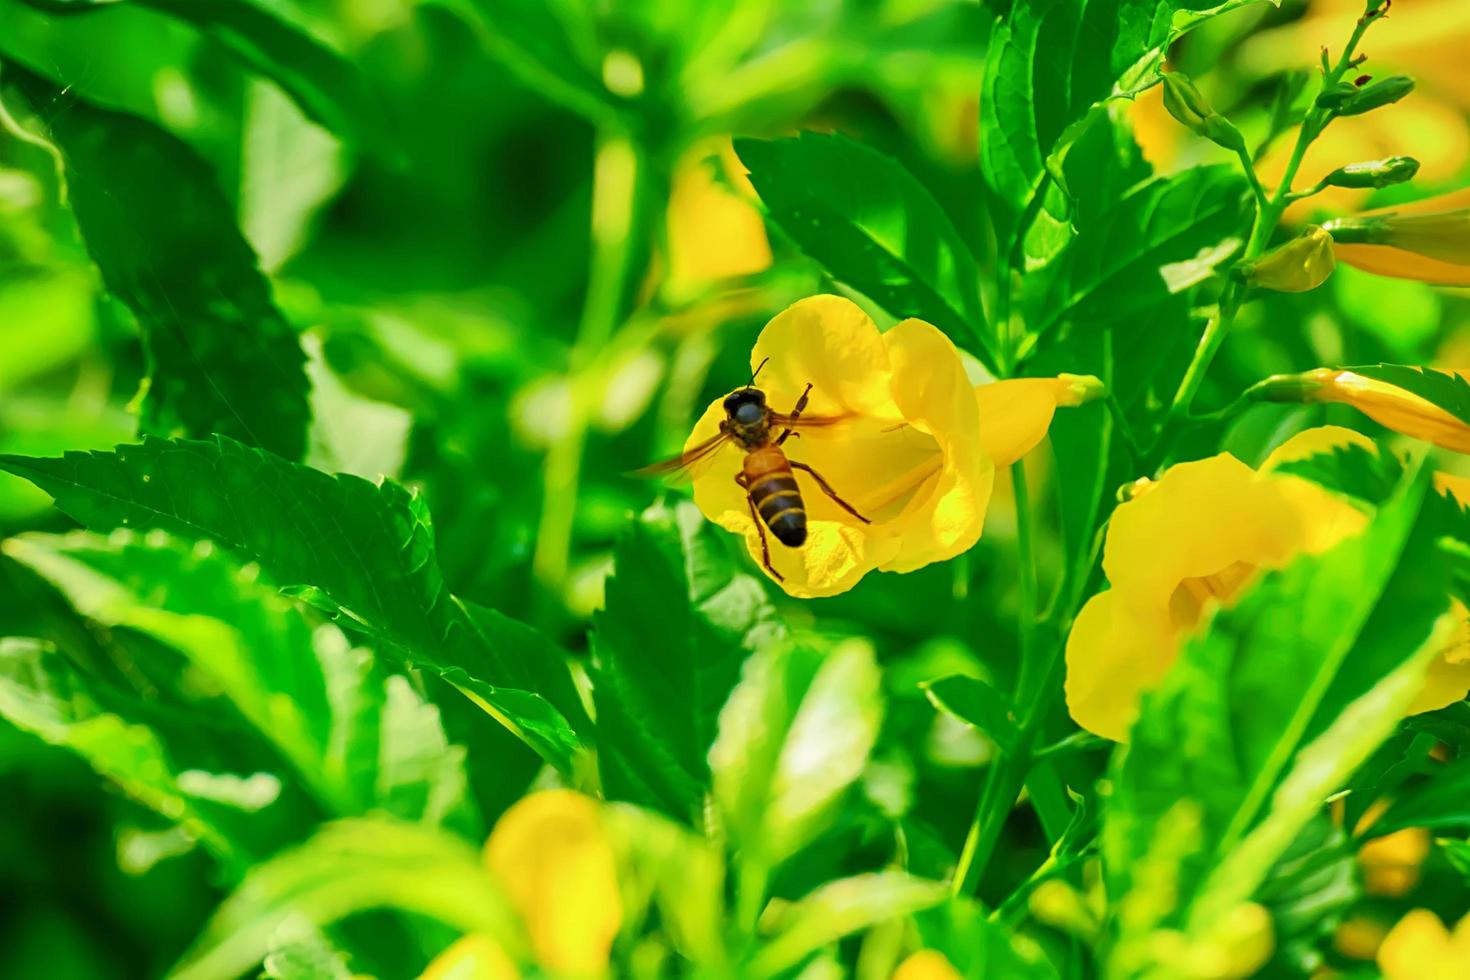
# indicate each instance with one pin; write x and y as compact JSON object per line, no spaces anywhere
{"x":221,"y":357}
{"x":364,"y":552}
{"x":874,"y":227}
{"x":348,"y":867}
{"x":975,"y":703}
{"x":678,"y":620}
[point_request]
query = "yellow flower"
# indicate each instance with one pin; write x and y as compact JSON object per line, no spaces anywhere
{"x":1387,"y":404}
{"x":915,"y":454}
{"x":1427,"y":241}
{"x":551,"y":855}
{"x":1359,"y":937}
{"x":1421,"y":948}
{"x":926,"y":964}
{"x":714,"y":231}
{"x":1202,"y":533}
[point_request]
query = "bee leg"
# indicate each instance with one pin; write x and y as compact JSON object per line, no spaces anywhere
{"x":761,"y":530}
{"x":827,"y":489}
{"x":796,"y":414}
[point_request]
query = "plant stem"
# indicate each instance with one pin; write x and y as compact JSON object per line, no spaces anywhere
{"x":1003,"y":780}
{"x":616,"y":202}
{"x":1267,"y":218}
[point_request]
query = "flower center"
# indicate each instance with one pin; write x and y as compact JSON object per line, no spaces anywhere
{"x":1187,"y":603}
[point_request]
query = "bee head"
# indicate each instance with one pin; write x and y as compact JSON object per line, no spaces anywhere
{"x":746,"y":406}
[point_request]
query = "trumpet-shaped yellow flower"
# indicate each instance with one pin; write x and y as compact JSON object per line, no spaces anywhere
{"x":926,"y":964}
{"x":915,"y":454}
{"x":551,"y":855}
{"x":714,"y":231}
{"x":1421,"y":948}
{"x":1202,"y":533}
{"x":1428,"y":241}
{"x":1387,"y":404}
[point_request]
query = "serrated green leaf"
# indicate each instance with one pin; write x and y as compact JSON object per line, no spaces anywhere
{"x":347,"y":867}
{"x":794,"y":735}
{"x":1265,"y":714}
{"x":678,"y":620}
{"x":1368,"y":476}
{"x":1440,"y":803}
{"x":873,"y":226}
{"x":839,"y":908}
{"x":328,"y":88}
{"x":1050,"y":62}
{"x":975,"y":703}
{"x":1117,"y":264}
{"x":359,"y":740}
{"x":368,"y":549}
{"x":221,"y":357}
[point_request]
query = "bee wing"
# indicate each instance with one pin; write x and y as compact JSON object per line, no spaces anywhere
{"x":809,"y":421}
{"x":680,"y":467}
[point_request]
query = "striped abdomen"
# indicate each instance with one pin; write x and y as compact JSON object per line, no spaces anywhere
{"x":773,"y":490}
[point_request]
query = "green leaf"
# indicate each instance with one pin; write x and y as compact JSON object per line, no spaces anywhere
{"x":975,"y":703}
{"x":794,"y":735}
{"x":40,"y":693}
{"x":1440,"y":803}
{"x":1265,"y":714}
{"x":1049,"y":63}
{"x":840,"y":908}
{"x":1138,"y":249}
{"x":357,"y":739}
{"x":329,"y":89}
{"x":678,"y":620}
{"x":1367,"y":476}
{"x":361,"y":551}
{"x":221,"y":357}
{"x":977,"y":947}
{"x":1308,"y":893}
{"x":873,"y":226}
{"x":348,"y":867}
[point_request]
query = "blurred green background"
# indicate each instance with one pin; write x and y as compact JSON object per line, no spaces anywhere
{"x":479,"y":331}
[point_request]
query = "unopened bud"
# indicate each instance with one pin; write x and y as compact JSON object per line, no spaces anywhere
{"x":1381,"y":93}
{"x":1374,"y":173}
{"x":1078,"y":389}
{"x":1301,"y":264}
{"x":1186,"y":104}
{"x":1441,"y":235}
{"x":1335,"y":95}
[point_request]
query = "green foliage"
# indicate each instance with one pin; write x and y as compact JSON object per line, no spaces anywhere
{"x":223,"y":359}
{"x":874,"y":227}
{"x":325,"y":268}
{"x":677,"y":622}
{"x":363,"y":553}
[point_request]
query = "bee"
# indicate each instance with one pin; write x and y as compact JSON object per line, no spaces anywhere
{"x":768,"y":475}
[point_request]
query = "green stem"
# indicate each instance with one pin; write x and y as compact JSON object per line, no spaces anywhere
{"x":1267,"y":218}
{"x":1004,"y":779}
{"x":616,"y":200}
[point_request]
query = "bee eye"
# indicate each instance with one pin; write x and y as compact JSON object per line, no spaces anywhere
{"x":748,"y":413}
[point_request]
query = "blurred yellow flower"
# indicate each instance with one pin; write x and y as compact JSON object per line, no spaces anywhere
{"x":915,"y":455}
{"x":1428,"y":240}
{"x":1358,"y":937}
{"x":714,"y":231}
{"x":1387,"y":404}
{"x":1421,"y":948}
{"x":551,"y":855}
{"x":926,"y":964}
{"x":1200,"y":534}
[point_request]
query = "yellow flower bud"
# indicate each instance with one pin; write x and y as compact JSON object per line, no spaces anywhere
{"x":1428,"y":241}
{"x":1387,"y":404}
{"x":1301,"y":264}
{"x":1421,"y":948}
{"x":926,"y":964}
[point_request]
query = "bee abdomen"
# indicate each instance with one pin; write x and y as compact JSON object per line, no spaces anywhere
{"x":778,"y":501}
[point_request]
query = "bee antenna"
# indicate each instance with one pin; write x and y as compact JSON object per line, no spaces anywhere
{"x":756,"y":373}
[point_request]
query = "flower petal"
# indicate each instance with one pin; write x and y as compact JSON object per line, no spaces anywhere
{"x":1014,"y":416}
{"x":831,"y":344}
{"x":554,"y":861}
{"x":1113,"y":656}
{"x":1418,"y":948}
